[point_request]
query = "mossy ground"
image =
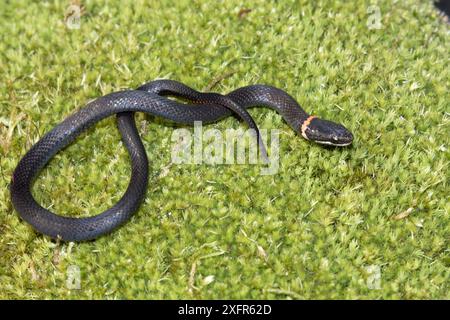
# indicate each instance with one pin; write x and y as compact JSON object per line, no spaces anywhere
{"x":309,"y":231}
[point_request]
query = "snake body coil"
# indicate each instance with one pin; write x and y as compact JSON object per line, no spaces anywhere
{"x":150,"y":98}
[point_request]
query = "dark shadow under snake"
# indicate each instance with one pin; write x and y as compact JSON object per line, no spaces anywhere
{"x":150,"y":98}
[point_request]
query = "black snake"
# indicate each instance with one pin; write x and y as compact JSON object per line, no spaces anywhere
{"x":150,"y":98}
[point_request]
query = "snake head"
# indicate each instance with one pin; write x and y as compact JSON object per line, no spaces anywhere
{"x":326,"y":132}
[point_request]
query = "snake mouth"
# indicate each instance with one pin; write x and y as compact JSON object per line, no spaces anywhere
{"x":338,"y":144}
{"x":345,"y":138}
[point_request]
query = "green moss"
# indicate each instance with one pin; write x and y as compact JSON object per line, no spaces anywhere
{"x":311,"y":230}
